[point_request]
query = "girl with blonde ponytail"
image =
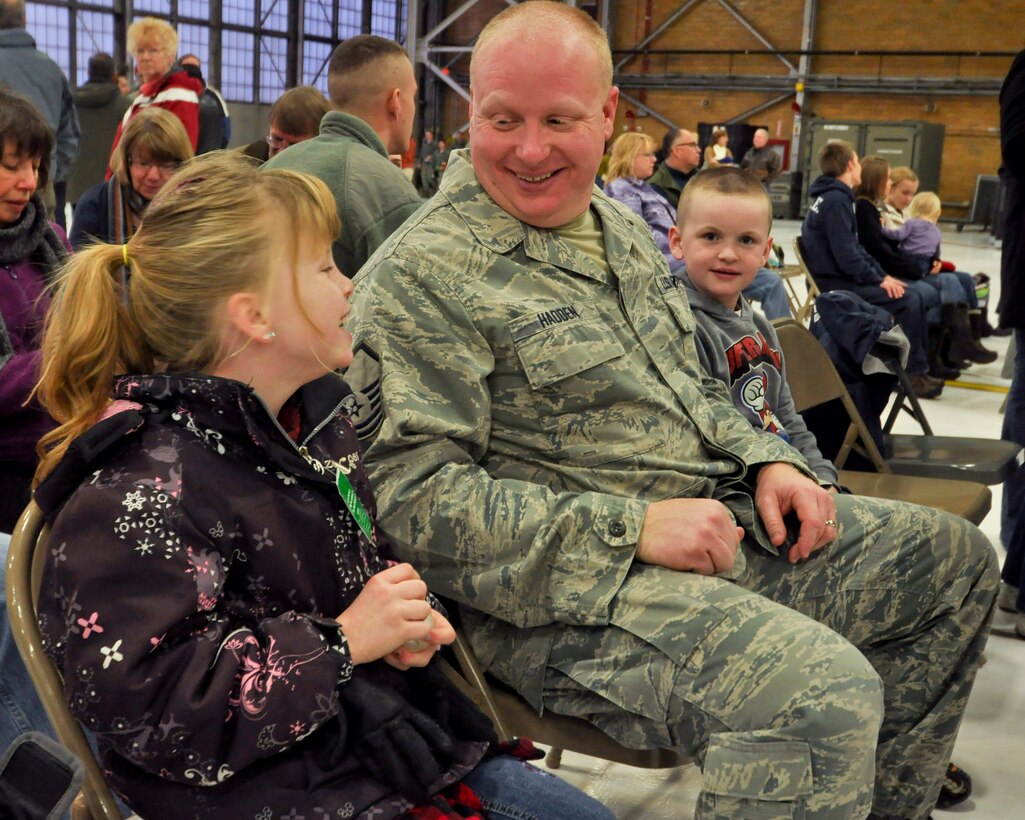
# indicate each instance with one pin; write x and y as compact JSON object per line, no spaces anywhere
{"x":218,"y":599}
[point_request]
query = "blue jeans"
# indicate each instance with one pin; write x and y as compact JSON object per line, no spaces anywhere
{"x":768,"y":289}
{"x":20,"y":708}
{"x":930,"y":296}
{"x":967,"y":284}
{"x":510,"y":789}
{"x":949,"y":287}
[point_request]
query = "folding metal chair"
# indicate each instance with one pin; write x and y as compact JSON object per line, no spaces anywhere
{"x":25,"y":562}
{"x":514,"y":717}
{"x":987,"y":461}
{"x":801,"y":304}
{"x":814,"y":380}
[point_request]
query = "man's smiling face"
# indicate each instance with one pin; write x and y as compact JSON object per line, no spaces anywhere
{"x":539,"y":119}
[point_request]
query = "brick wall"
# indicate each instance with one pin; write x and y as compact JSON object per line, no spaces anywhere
{"x":971,"y":146}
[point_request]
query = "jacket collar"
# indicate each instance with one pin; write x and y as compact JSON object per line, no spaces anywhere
{"x":706,"y":304}
{"x":823,"y":184}
{"x":216,"y":409}
{"x":500,"y":232}
{"x":16,"y":37}
{"x":341,"y":124}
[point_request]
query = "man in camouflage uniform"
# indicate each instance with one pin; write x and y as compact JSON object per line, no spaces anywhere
{"x":624,"y":546}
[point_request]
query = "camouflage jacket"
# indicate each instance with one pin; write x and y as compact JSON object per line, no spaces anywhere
{"x":525,"y":406}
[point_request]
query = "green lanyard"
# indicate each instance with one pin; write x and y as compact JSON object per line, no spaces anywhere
{"x":354,"y":505}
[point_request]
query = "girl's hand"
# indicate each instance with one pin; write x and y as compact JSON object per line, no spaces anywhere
{"x":439,"y":635}
{"x":390,"y":610}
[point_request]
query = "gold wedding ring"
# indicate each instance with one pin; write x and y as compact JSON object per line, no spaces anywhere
{"x":830,"y":523}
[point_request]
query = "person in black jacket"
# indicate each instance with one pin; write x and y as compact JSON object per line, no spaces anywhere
{"x":227,"y":615}
{"x":829,"y":239}
{"x":214,"y":117}
{"x":952,"y":346}
{"x":100,"y":106}
{"x":1011,"y":310}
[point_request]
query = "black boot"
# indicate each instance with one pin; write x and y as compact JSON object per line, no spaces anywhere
{"x":946,"y":358}
{"x":975,"y":326}
{"x":988,"y":329}
{"x":937,"y":369}
{"x":924,"y":386}
{"x":962,"y":343}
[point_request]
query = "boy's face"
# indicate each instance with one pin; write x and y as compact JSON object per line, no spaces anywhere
{"x":724,"y":240}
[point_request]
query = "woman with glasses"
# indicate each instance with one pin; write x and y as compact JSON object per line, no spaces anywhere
{"x":630,"y":166}
{"x":153,"y":45}
{"x":152,"y":148}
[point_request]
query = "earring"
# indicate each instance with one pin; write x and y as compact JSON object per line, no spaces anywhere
{"x":270,"y":334}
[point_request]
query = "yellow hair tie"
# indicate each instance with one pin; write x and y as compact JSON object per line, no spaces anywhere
{"x":124,"y":253}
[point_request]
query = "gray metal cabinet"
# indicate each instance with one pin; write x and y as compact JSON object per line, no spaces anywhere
{"x":909,"y":142}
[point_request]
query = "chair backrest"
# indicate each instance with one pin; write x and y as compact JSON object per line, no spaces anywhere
{"x":800,"y":305}
{"x":25,"y":562}
{"x":813,"y":380}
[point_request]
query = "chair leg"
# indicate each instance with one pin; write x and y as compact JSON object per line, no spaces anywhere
{"x":554,"y":758}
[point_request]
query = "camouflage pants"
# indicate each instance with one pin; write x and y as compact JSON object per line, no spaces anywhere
{"x":837,"y":689}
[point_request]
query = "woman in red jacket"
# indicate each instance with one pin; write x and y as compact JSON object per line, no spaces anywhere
{"x":153,"y":44}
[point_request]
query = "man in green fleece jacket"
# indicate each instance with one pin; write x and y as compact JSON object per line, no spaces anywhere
{"x":373,"y":96}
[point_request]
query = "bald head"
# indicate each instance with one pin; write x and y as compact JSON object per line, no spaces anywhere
{"x":526,"y":23}
{"x":760,"y":138}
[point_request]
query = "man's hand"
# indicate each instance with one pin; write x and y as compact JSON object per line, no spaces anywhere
{"x":894,"y":287}
{"x":937,"y":266}
{"x":783,"y":489}
{"x":689,"y":534}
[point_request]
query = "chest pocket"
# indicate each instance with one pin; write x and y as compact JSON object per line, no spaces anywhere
{"x":579,"y":375}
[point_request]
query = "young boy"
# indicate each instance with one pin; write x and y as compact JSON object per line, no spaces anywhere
{"x":722,"y":234}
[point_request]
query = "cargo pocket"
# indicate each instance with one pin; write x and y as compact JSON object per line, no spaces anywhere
{"x":756,"y":781}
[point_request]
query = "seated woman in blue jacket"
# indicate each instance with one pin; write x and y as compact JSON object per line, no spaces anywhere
{"x":217,"y":595}
{"x":153,"y":146}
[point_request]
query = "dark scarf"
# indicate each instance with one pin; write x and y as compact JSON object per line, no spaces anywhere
{"x":32,"y":238}
{"x":124,"y":211}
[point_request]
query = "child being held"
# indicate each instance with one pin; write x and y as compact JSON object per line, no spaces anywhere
{"x":722,"y":234}
{"x":920,"y":236}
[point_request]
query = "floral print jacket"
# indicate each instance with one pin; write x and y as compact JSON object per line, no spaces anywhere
{"x":197,"y":560}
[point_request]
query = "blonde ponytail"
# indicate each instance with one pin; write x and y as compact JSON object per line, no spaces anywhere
{"x":218,"y":227}
{"x":89,"y":338}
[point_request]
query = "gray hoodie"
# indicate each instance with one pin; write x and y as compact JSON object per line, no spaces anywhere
{"x":740,"y":348}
